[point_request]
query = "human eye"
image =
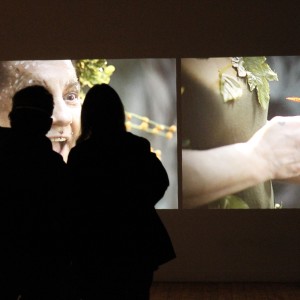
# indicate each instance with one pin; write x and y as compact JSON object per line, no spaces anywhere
{"x":71,"y":98}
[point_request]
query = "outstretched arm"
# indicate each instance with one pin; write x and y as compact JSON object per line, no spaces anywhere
{"x":272,"y":153}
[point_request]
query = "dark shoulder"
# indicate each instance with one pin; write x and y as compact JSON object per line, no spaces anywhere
{"x":84,"y":146}
{"x":58,"y":157}
{"x":85,"y":151}
{"x":125,"y":143}
{"x":4,"y":132}
{"x":49,"y":160}
{"x":137,"y":141}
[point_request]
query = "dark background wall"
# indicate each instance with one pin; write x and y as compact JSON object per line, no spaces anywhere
{"x":211,"y":245}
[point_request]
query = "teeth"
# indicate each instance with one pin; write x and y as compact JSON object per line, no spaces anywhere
{"x":58,"y":139}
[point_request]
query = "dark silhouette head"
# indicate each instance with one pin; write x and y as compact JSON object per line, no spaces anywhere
{"x":102,"y":113}
{"x":31,"y":112}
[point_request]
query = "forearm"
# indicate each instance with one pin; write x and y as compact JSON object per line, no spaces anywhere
{"x":272,"y":153}
{"x":211,"y":174}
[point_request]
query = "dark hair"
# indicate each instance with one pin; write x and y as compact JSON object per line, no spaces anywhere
{"x":102,"y":113}
{"x":32,"y":108}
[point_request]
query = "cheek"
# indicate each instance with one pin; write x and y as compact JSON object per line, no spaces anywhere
{"x":76,"y":122}
{"x":4,"y":121}
{"x":5,"y":108}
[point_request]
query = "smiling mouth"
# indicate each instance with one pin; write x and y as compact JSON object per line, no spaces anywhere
{"x":58,"y":139}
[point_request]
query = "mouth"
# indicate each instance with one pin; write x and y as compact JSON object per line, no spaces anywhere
{"x":58,"y":139}
{"x":58,"y":143}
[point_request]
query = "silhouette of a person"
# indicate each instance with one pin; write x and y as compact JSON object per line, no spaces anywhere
{"x":34,"y":258}
{"x":118,"y":180}
{"x":4,"y":133}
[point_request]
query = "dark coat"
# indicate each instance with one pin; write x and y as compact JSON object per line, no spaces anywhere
{"x":33,"y":223}
{"x":118,"y":181}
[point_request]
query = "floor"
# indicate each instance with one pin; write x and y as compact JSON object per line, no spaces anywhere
{"x":225,"y":291}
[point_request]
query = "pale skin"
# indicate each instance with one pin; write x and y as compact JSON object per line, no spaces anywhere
{"x":273,"y":153}
{"x":60,"y":78}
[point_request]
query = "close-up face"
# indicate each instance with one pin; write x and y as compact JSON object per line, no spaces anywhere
{"x":59,"y":77}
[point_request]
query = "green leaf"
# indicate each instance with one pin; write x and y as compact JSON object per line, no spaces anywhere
{"x":230,"y":88}
{"x":258,"y":76}
{"x":233,"y":201}
{"x":263,"y":93}
{"x":93,"y":71}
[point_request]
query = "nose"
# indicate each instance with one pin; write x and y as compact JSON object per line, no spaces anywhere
{"x":62,"y":115}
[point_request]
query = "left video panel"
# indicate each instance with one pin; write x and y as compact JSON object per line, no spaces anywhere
{"x":147,"y":88}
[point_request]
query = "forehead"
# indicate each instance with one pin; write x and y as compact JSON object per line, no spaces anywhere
{"x":55,"y":75}
{"x":43,"y":69}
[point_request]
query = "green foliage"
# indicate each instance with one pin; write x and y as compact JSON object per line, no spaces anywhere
{"x":91,"y":72}
{"x":258,"y":76}
{"x":230,"y":88}
{"x":230,"y":202}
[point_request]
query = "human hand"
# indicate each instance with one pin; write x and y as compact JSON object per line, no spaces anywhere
{"x":276,"y":147}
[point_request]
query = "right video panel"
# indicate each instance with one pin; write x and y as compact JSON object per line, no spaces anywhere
{"x":240,"y":133}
